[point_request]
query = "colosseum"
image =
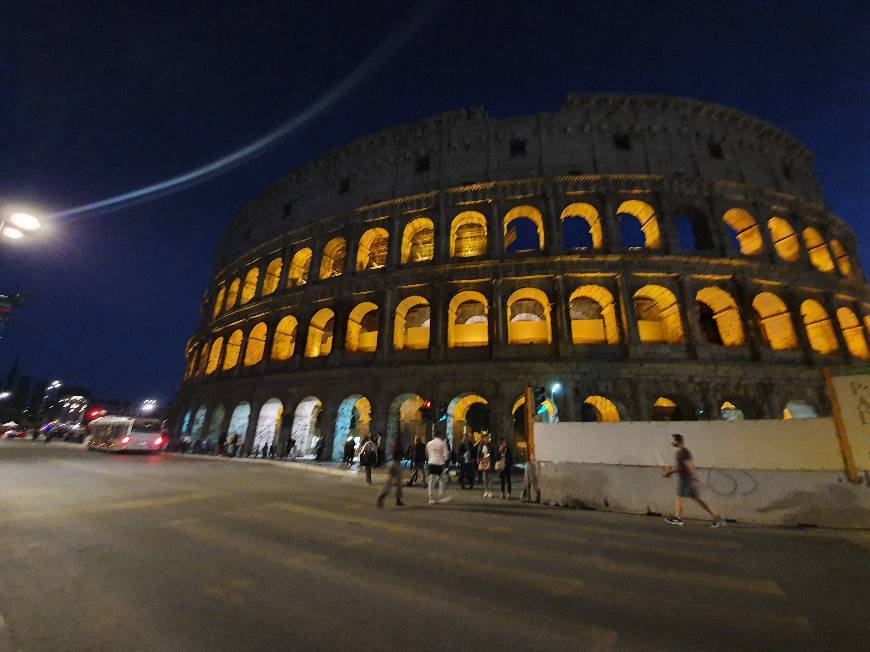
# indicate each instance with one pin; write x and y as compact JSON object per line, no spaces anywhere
{"x":640,"y":257}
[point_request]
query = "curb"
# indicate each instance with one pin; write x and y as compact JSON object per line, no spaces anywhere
{"x":302,"y":466}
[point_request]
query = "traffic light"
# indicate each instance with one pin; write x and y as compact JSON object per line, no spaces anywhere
{"x":426,"y":411}
{"x":442,"y":412}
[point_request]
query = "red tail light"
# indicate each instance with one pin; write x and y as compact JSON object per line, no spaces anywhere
{"x":125,"y":439}
{"x":158,"y":441}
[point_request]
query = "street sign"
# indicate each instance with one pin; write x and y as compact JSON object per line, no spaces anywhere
{"x":849,"y":392}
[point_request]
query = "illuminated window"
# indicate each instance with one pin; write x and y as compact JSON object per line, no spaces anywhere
{"x":256,"y":344}
{"x":853,"y":333}
{"x":284,"y":343}
{"x":249,"y":288}
{"x":820,"y":331}
{"x":334,"y":256}
{"x":719,"y":317}
{"x":528,"y":313}
{"x":214,"y":356}
{"x":362,"y":328}
{"x":599,"y":408}
{"x":319,"y":342}
{"x":593,"y":316}
{"x":774,"y":322}
{"x":234,"y":349}
{"x":467,"y":323}
{"x":418,"y":241}
{"x":581,"y":227}
{"x":658,"y":315}
{"x":514,"y":220}
{"x":300,"y":267}
{"x":233,"y":294}
{"x":468,"y":235}
{"x":745,"y":230}
{"x":411,"y":330}
{"x":218,"y":302}
{"x":273,"y":276}
{"x":844,"y":264}
{"x":645,"y":217}
{"x":785,"y":240}
{"x":665,"y":409}
{"x":372,"y":252}
{"x":820,"y":257}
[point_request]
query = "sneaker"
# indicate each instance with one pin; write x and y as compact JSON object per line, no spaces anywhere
{"x":446,"y":499}
{"x":673,"y":520}
{"x":719,"y":522}
{"x":431,"y":502}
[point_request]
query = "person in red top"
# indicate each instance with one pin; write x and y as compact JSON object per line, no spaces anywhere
{"x":687,"y":484}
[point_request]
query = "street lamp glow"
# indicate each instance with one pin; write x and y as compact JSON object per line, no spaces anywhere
{"x":149,"y":405}
{"x":11,"y":232}
{"x":55,"y":384}
{"x":5,"y":395}
{"x":24,"y":221}
{"x":556,"y":388}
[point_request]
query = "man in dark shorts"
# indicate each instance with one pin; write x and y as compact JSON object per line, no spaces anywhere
{"x":687,"y":484}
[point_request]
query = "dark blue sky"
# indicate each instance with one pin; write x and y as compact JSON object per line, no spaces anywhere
{"x":101,"y":98}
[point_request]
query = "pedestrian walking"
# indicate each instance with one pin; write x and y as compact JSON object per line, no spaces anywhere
{"x":380,"y":444}
{"x":272,"y":451}
{"x":394,"y":474}
{"x":368,"y":457}
{"x":484,"y":465}
{"x":347,"y":455}
{"x":418,"y":459}
{"x":467,"y":470}
{"x":318,"y":451}
{"x":265,"y":451}
{"x":437,"y":454}
{"x":504,"y":465}
{"x":290,"y":444}
{"x":687,"y":484}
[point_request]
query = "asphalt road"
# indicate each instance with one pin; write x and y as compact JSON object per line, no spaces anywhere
{"x":108,"y":552}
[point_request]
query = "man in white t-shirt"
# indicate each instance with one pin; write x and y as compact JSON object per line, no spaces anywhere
{"x":437,"y":454}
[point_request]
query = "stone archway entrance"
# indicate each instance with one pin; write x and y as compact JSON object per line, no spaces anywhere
{"x":306,"y":425}
{"x":268,"y":424}
{"x":467,"y":414}
{"x":354,"y":419}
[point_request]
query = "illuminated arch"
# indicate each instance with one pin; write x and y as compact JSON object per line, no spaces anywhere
{"x":233,"y":294}
{"x":411,"y":328}
{"x":457,"y":416}
{"x":300,"y":267}
{"x":589,"y":214}
{"x":333,"y":259}
{"x":785,"y":240}
{"x":853,"y":333}
{"x":774,"y":321}
{"x":528,"y":314}
{"x":238,"y":426}
{"x":256,"y":347}
{"x":593,"y":316}
{"x":418,"y":241}
{"x":658,"y":315}
{"x":353,"y":419}
{"x":319,"y":341}
{"x":234,"y":349}
{"x":198,"y":423}
{"x":218,"y":302}
{"x":820,"y":331}
{"x":284,"y":343}
{"x":603,"y":408}
{"x":468,"y":235}
{"x":546,"y":413}
{"x":268,"y":424}
{"x":372,"y":251}
{"x":529,"y":213}
{"x":216,"y":420}
{"x":746,"y":231}
{"x":362,"y":327}
{"x":799,"y":410}
{"x":306,"y":424}
{"x":405,"y":421}
{"x":273,"y":276}
{"x":249,"y":287}
{"x":844,"y":263}
{"x":726,"y":325}
{"x":214,"y":356}
{"x":467,"y":322}
{"x":818,"y":252}
{"x":646,"y":216}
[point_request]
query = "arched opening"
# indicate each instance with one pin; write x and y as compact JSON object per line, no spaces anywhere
{"x":467,"y":414}
{"x":186,"y":423}
{"x":411,"y":328}
{"x":853,"y":333}
{"x":528,"y":313}
{"x":249,"y":287}
{"x":273,"y":276}
{"x":216,"y":423}
{"x":581,"y":227}
{"x":239,"y":420}
{"x":658,"y":315}
{"x":844,"y":264}
{"x":693,"y":231}
{"x":744,"y":231}
{"x":300,"y":267}
{"x":233,"y":294}
{"x":198,"y":424}
{"x":593,"y":316}
{"x":405,"y":420}
{"x":523,"y":230}
{"x":333,"y":258}
{"x":817,"y":250}
{"x":799,"y":410}
{"x":468,"y":235}
{"x":785,"y":240}
{"x":599,"y":408}
{"x":546,"y":413}
{"x":467,"y":323}
{"x":234,"y":349}
{"x":306,"y":430}
{"x":268,"y":424}
{"x":284,"y":344}
{"x":362,"y":327}
{"x":214,"y":356}
{"x":638,"y":225}
{"x":719,"y":317}
{"x":218,"y":302}
{"x":372,"y":251}
{"x":820,"y":331}
{"x":256,"y":344}
{"x":666,"y":409}
{"x":354,"y":420}
{"x":319,"y":342}
{"x":774,"y":322}
{"x":418,"y":241}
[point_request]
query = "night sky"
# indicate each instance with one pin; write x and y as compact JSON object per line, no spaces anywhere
{"x":102,"y":98}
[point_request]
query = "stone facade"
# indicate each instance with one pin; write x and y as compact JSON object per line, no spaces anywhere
{"x":603,"y":164}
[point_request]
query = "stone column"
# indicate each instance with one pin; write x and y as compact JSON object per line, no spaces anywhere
{"x":339,"y":332}
{"x":751,"y":331}
{"x":793,"y":303}
{"x":438,"y":322}
{"x":394,"y":251}
{"x":628,"y":325}
{"x":495,"y":232}
{"x":692,"y":332}
{"x":828,"y":303}
{"x":669,"y":239}
{"x":316,"y":258}
{"x":386,"y":322}
{"x":554,"y":244}
{"x":610,"y":225}
{"x":442,"y":221}
{"x":286,"y":260}
{"x":261,"y":278}
{"x":251,"y":431}
{"x":352,"y":241}
{"x":497,"y":315}
{"x":562,"y":319}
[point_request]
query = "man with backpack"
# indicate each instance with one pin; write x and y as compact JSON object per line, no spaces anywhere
{"x":368,"y":457}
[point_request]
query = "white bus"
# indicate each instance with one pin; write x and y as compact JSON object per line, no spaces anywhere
{"x":119,"y":434}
